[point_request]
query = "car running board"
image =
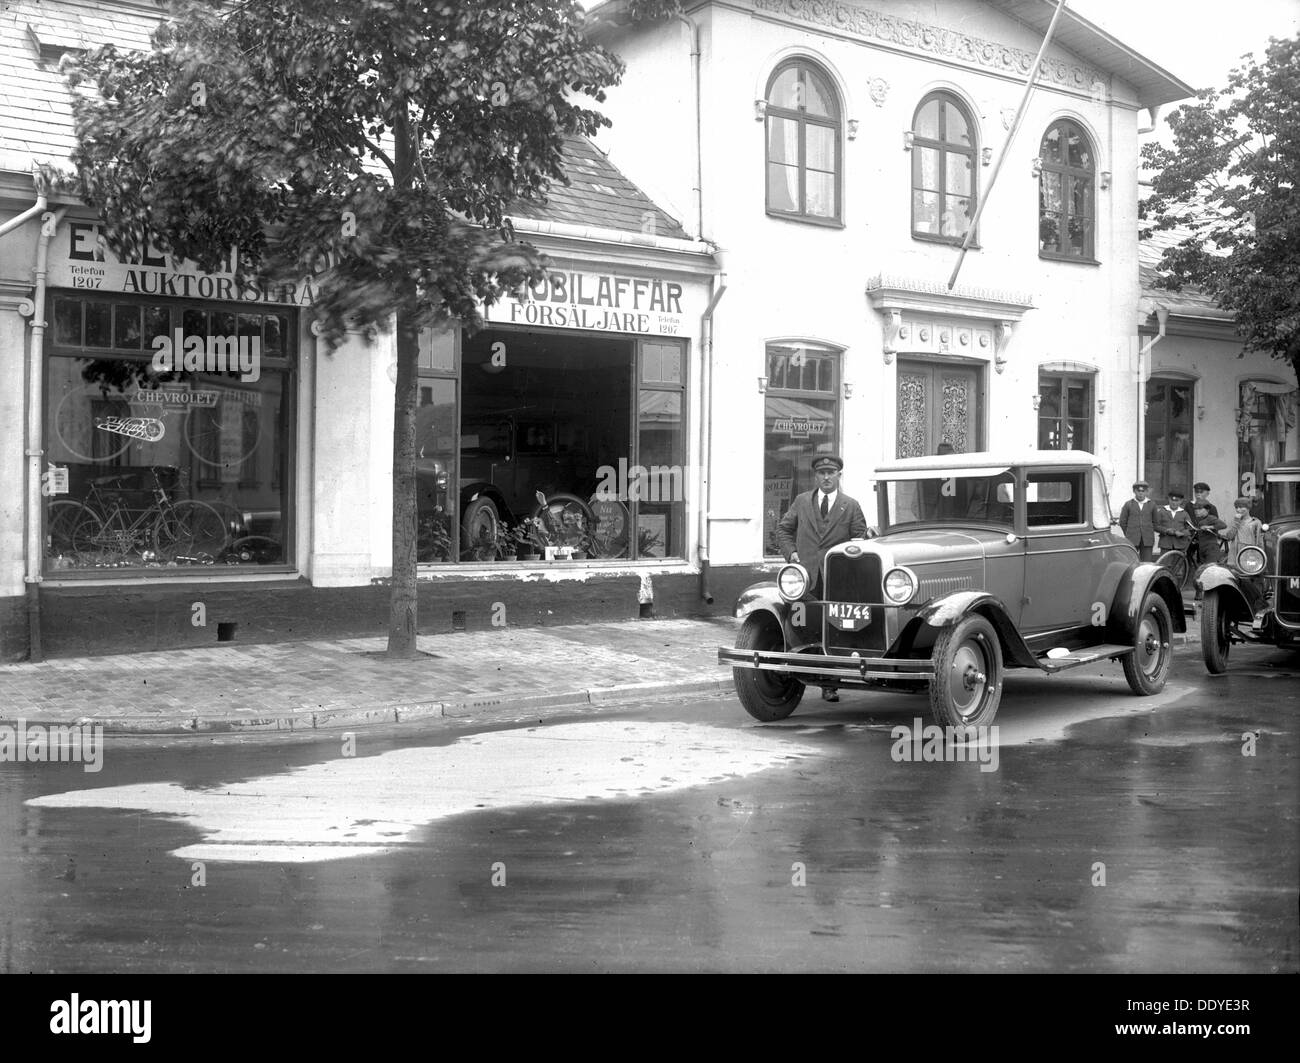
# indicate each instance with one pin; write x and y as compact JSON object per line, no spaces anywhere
{"x":1078,"y":657}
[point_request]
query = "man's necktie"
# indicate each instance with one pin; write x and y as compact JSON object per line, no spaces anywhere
{"x":823,"y":506}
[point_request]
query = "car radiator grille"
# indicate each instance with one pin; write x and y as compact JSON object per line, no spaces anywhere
{"x":1288,"y":567}
{"x":855,"y":579}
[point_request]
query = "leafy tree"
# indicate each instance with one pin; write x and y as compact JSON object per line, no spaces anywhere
{"x":384,"y":139}
{"x":1229,"y":178}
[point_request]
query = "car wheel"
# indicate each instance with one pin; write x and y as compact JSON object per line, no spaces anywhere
{"x":478,"y":525}
{"x":967,"y":683}
{"x":1215,"y":628}
{"x":767,"y":696}
{"x":1147,"y":667}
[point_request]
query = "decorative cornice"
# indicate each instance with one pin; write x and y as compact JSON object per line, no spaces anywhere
{"x":933,"y":297}
{"x":923,"y":37}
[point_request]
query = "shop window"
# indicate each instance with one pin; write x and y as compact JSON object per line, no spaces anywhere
{"x":1266,"y":417}
{"x":801,"y":420}
{"x":437,"y":502}
{"x":1064,"y":412}
{"x":166,"y":467}
{"x":1066,"y":193}
{"x":570,"y":445}
{"x":1169,"y":424}
{"x":803,"y":144}
{"x":943,"y":169}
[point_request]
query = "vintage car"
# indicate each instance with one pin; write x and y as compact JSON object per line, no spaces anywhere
{"x":985,"y":561}
{"x":1262,"y":588}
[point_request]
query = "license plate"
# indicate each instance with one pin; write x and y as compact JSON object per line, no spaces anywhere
{"x":848,"y":616}
{"x":1294,"y":583}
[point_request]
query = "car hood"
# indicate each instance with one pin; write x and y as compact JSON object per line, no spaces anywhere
{"x":919,"y":547}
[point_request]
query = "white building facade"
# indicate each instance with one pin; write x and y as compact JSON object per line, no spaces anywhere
{"x":840,"y":155}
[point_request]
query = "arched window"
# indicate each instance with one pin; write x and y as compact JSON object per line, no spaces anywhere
{"x":803,"y":144}
{"x":943,"y":169}
{"x":1066,"y":196}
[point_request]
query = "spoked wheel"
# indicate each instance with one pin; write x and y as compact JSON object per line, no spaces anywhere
{"x":1216,"y":634}
{"x":1147,"y":667}
{"x":192,"y":531}
{"x":567,"y":517}
{"x":967,"y":684}
{"x":1176,"y":562}
{"x":767,"y":696}
{"x":73,"y":529}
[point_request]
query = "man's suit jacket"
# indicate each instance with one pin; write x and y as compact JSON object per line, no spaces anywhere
{"x":1172,"y":528}
{"x":1137,"y":522}
{"x":802,"y":530}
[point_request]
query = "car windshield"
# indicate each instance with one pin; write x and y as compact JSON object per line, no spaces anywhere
{"x":949,"y":499}
{"x":1283,"y":498}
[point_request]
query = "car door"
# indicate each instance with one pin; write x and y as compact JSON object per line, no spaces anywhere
{"x":1066,"y":558}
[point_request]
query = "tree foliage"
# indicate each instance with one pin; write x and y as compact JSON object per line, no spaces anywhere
{"x":376,"y":143}
{"x":1229,"y":179}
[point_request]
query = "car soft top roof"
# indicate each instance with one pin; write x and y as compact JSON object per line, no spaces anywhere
{"x":980,"y":463}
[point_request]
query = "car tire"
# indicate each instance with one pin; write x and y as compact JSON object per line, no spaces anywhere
{"x":1215,"y":643}
{"x":767,"y":696}
{"x":1147,"y":667}
{"x":480,"y":516}
{"x":967,"y":684}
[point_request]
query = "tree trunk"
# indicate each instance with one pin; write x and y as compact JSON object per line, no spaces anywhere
{"x":403,"y":601}
{"x":403,"y":604}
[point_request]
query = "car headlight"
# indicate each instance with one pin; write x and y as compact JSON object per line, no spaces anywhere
{"x":900,"y":585}
{"x":1251,"y":561}
{"x":792,"y":582}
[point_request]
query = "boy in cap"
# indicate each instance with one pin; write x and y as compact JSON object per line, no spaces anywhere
{"x":818,"y":520}
{"x":1172,"y":523}
{"x":1201,"y":494}
{"x":1137,"y":520}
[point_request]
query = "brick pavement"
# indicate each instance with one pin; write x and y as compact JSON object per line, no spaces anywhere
{"x":340,"y":683}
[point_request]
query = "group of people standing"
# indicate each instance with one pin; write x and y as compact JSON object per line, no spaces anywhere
{"x":1171,"y":527}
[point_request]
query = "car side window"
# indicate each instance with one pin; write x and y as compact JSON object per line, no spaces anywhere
{"x":1101,"y":515}
{"x":1054,"y":499}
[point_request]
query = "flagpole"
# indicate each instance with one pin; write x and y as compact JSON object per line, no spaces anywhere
{"x":1006,"y":148}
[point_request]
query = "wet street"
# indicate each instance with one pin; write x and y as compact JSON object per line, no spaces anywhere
{"x":1108,"y":834}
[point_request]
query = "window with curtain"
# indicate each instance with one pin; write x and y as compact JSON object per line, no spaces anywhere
{"x":1066,"y":193}
{"x":803,"y":144}
{"x":943,"y":169}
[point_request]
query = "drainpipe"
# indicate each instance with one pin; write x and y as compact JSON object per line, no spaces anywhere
{"x":699,"y":134}
{"x":1162,"y":319}
{"x":42,"y":188}
{"x":35,"y":400}
{"x":706,"y":431}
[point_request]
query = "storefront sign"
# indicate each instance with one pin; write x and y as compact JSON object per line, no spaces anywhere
{"x":81,"y":258}
{"x":599,"y":302}
{"x":175,"y":398}
{"x":802,"y":428}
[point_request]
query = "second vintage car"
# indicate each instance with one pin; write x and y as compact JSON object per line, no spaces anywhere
{"x":985,"y":562}
{"x":1256,"y":597}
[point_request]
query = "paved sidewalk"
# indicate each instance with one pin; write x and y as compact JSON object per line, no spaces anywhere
{"x":306,"y":685}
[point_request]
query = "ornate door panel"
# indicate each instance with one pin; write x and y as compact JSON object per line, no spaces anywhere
{"x":937,"y":403}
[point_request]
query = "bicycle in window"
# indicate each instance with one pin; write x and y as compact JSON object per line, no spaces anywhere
{"x":103,"y":530}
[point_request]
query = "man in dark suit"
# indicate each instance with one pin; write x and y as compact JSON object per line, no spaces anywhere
{"x":818,"y":520}
{"x":1137,"y":520}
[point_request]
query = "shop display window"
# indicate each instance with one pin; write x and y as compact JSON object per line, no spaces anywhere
{"x":569,"y":445}
{"x":159,"y":460}
{"x":801,"y":420}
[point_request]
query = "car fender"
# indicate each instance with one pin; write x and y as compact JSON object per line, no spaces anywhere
{"x":951,"y":608}
{"x":482,"y":489}
{"x":1122,"y":617}
{"x":1237,"y":602}
{"x":766,"y":598}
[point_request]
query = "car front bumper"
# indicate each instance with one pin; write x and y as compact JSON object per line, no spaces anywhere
{"x":827,"y":666}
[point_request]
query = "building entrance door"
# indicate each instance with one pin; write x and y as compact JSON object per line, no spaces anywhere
{"x":938,"y":402}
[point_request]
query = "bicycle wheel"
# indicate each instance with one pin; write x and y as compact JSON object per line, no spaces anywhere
{"x":190,"y":530}
{"x":1176,"y":562}
{"x":72,"y":530}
